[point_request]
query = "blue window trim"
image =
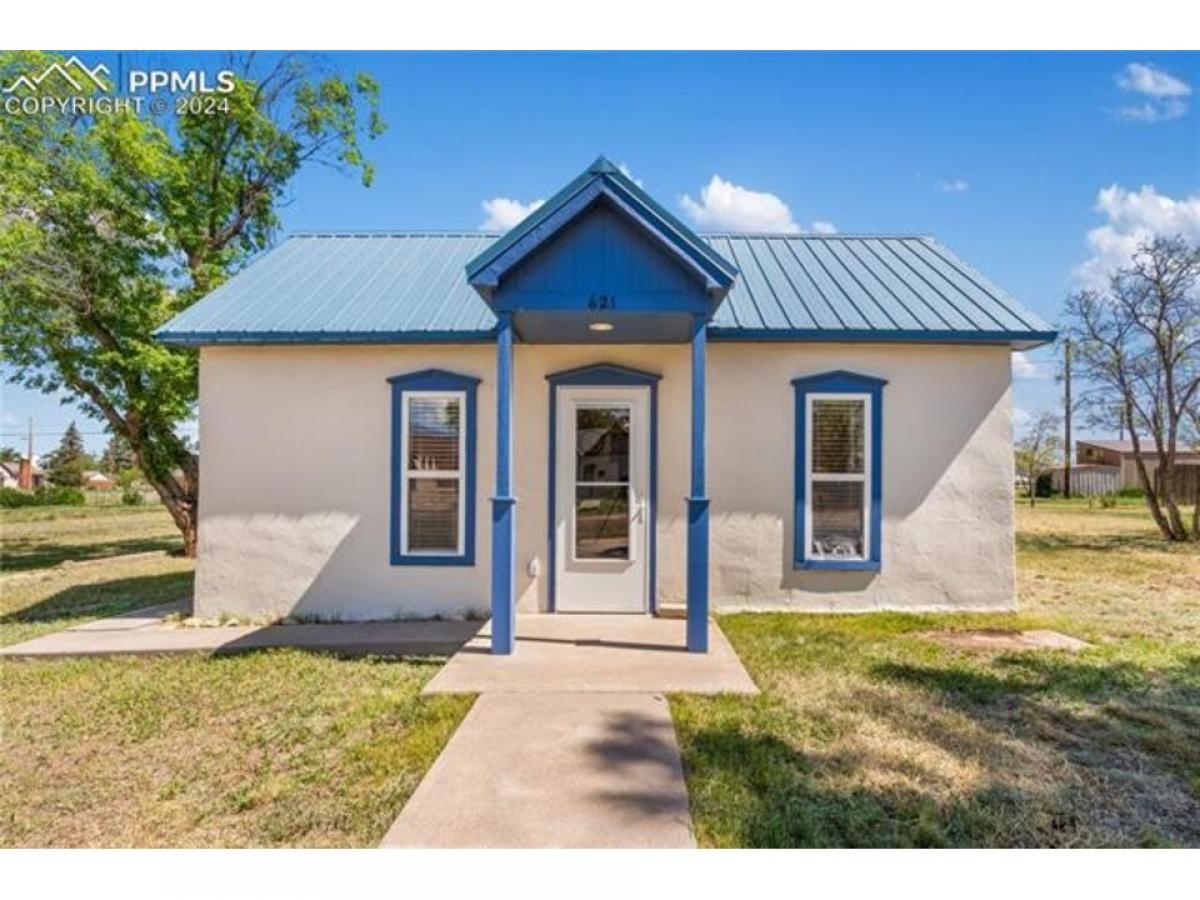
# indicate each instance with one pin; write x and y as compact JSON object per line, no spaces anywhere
{"x":432,"y":380}
{"x":839,"y":382}
{"x":603,"y":375}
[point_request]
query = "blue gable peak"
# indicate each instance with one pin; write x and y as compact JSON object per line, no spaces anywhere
{"x":602,"y":166}
{"x":602,"y":182}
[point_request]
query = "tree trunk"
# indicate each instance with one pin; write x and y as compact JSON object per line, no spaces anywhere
{"x":183,"y":511}
{"x":1148,"y":488}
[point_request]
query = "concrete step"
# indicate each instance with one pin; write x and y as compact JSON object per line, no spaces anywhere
{"x":671,"y":611}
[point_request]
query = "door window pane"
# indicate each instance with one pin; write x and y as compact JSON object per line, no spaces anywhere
{"x":837,"y":519}
{"x":838,"y":444}
{"x":602,"y":444}
{"x":433,"y":514}
{"x":433,"y":433}
{"x":601,"y":522}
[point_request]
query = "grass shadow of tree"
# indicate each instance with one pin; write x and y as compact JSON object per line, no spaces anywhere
{"x":104,"y":598}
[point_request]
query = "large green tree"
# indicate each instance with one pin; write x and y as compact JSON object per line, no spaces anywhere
{"x":66,"y":464}
{"x":112,"y":224}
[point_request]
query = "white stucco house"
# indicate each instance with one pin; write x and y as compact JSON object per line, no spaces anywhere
{"x":603,"y":411}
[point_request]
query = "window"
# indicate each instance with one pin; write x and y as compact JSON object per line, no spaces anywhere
{"x":602,"y":482}
{"x":433,"y":477}
{"x":838,"y":478}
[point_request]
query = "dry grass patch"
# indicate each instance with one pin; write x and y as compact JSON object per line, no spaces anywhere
{"x":39,"y":537}
{"x":280,"y":748}
{"x":869,"y":734}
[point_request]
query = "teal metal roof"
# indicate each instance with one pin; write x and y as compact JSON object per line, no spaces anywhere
{"x":412,"y":287}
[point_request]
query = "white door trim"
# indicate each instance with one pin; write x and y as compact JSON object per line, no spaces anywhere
{"x":598,"y":584}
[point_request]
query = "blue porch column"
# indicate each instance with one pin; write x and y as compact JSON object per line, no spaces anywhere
{"x":504,"y":512}
{"x":697,"y":503}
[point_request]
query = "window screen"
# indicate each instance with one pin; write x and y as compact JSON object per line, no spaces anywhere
{"x":837,"y":466}
{"x":433,"y":478}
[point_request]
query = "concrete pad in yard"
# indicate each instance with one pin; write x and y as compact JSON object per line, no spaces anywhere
{"x":554,"y":770}
{"x":595,"y":653}
{"x":140,"y":634}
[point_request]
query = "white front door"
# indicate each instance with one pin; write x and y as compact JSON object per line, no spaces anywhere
{"x":602,"y":497}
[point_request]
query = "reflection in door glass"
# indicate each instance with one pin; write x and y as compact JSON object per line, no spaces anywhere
{"x":602,"y":482}
{"x":602,"y":444}
{"x":602,"y":522}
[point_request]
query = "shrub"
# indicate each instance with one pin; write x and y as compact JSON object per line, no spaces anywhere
{"x":131,"y":496}
{"x":1131,"y":492}
{"x":1108,"y":501}
{"x":11,"y":498}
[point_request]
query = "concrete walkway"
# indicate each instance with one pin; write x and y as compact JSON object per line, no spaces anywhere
{"x":144,"y":632}
{"x":621,"y":653}
{"x":554,"y":770}
{"x":571,"y":742}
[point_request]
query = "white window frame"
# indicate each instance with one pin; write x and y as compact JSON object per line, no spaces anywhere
{"x":443,"y":474}
{"x":810,"y":477}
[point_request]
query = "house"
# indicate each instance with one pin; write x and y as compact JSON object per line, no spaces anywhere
{"x":1118,"y":457}
{"x":24,"y":474}
{"x":97,"y":481}
{"x":603,"y":411}
{"x":10,"y":474}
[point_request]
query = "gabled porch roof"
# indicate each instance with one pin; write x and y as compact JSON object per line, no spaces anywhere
{"x":601,"y":181}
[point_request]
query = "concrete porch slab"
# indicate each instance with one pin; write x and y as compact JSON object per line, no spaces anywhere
{"x":593,"y":654}
{"x":554,"y":770}
{"x":144,"y":633}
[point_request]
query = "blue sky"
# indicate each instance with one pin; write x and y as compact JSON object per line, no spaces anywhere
{"x":1004,"y":157}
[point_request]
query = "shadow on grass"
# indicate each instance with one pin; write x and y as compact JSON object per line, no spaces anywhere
{"x":1060,"y":542}
{"x":773,"y":795}
{"x":22,"y":556}
{"x":104,"y":598}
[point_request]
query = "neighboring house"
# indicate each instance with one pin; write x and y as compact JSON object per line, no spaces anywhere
{"x":10,"y":474}
{"x":97,"y":481}
{"x":602,"y":411}
{"x":23,"y":474}
{"x":1118,"y":455}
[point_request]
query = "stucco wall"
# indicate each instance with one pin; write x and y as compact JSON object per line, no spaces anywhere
{"x":295,"y":481}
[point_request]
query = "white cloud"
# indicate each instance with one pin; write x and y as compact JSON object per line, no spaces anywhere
{"x":1024,"y":367}
{"x":1146,"y":79}
{"x":1020,"y":417}
{"x":724,"y":206}
{"x":628,"y":173}
{"x":503,"y":213}
{"x":1164,"y":94}
{"x":954,"y":186}
{"x":1134,"y":217}
{"x":822,"y":227}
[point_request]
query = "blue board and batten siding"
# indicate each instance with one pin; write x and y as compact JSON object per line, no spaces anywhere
{"x":412,"y":288}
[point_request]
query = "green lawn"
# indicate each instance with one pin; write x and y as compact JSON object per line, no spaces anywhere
{"x":869,"y":734}
{"x":866,"y":733}
{"x":40,"y":537}
{"x":280,"y":748}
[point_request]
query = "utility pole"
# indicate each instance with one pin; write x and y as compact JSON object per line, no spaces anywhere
{"x":1067,"y":418}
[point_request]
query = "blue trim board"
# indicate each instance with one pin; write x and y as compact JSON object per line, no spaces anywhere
{"x":839,"y":382}
{"x":697,"y":504}
{"x":601,"y":375}
{"x":432,"y":380}
{"x":504,"y":504}
{"x":1019,"y":340}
